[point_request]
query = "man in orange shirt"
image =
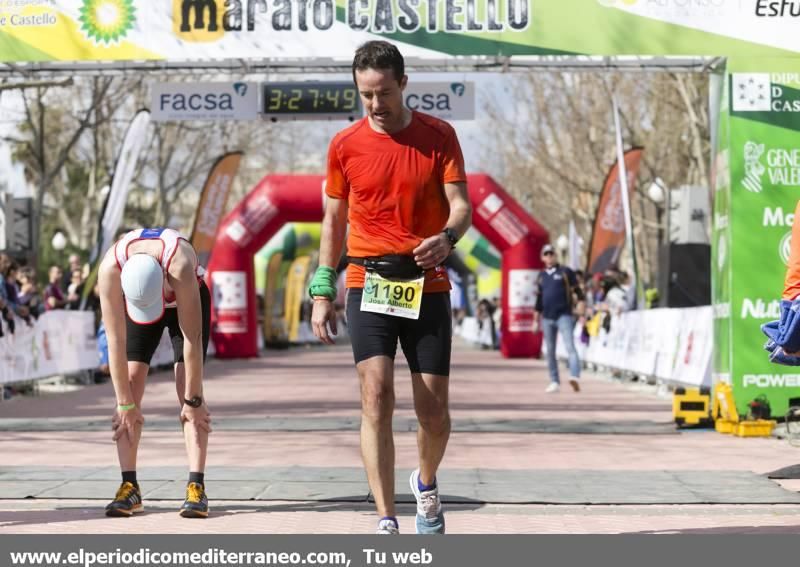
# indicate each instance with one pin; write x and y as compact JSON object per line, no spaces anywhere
{"x":398,"y":178}
{"x":784,"y":333}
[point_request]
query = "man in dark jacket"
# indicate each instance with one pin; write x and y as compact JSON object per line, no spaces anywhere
{"x":557,"y":290}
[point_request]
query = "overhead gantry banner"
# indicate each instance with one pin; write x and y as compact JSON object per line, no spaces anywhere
{"x":257,"y":30}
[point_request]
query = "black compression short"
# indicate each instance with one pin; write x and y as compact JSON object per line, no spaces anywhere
{"x":142,"y":340}
{"x":426,"y":342}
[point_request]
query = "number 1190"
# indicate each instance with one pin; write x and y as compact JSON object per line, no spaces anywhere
{"x":397,"y":293}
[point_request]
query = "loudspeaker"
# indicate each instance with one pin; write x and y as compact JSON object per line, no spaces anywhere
{"x":685,"y":275}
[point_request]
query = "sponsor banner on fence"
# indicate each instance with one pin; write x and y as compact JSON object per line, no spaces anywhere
{"x":670,"y":344}
{"x":59,"y":342}
{"x":224,"y":30}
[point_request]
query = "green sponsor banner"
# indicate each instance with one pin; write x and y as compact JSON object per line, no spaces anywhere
{"x":219,"y":30}
{"x":757,"y":186}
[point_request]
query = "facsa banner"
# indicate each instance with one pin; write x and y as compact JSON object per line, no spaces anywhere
{"x":205,"y":101}
{"x":448,"y":101}
{"x":255,"y":30}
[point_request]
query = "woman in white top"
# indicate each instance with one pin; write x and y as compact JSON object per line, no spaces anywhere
{"x":150,"y":281}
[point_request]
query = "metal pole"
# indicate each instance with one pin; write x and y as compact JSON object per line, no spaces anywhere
{"x":668,"y":205}
{"x":626,"y":206}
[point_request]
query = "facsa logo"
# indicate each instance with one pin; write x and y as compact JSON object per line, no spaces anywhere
{"x":435,"y":100}
{"x":772,"y":380}
{"x":195,"y":101}
{"x":448,"y":101}
{"x":428,"y":102}
{"x":458,"y":88}
{"x":204,"y":101}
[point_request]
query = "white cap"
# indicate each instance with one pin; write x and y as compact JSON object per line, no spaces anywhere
{"x":143,"y":286}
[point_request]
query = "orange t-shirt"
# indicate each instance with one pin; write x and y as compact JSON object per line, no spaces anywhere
{"x":791,"y":284}
{"x":394,"y":186}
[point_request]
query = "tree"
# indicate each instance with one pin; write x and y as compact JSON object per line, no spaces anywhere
{"x":62,"y":141}
{"x":70,"y":132}
{"x":554,"y":146}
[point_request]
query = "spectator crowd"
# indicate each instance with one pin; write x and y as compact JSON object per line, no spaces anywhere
{"x":606,"y":295}
{"x":22,"y":297}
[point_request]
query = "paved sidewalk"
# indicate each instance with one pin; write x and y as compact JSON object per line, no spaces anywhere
{"x":284,"y":457}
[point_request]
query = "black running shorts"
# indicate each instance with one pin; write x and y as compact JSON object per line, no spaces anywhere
{"x":142,"y":340}
{"x":426,"y":342}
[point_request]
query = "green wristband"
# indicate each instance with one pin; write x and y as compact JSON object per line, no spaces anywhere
{"x":323,"y":284}
{"x":126,"y":407}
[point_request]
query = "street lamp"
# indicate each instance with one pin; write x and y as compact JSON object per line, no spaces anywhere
{"x":660,"y":196}
{"x":656,"y":191}
{"x":562,"y":243}
{"x":59,"y":242}
{"x":659,"y":193}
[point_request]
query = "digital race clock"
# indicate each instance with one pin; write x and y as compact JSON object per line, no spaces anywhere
{"x":311,"y":100}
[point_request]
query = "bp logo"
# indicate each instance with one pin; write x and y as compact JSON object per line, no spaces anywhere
{"x":785,"y":247}
{"x":753,"y":168}
{"x":107,"y":21}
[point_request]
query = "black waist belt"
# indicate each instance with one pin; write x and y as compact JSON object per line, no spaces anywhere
{"x":391,"y":266}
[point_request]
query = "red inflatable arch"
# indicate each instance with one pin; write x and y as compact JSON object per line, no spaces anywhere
{"x":279,"y":199}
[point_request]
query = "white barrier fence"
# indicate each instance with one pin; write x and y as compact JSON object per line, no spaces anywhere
{"x":472,"y":331}
{"x":673,"y":345}
{"x":59,"y":342}
{"x":669,"y":344}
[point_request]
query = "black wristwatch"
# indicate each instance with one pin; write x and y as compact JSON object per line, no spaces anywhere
{"x":195,"y":402}
{"x":452,"y":236}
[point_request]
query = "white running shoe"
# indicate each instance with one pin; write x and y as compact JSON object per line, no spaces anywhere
{"x":388,"y":527}
{"x":552,"y":388}
{"x":430,"y":518}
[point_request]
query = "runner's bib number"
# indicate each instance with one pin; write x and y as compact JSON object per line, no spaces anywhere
{"x":397,"y":298}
